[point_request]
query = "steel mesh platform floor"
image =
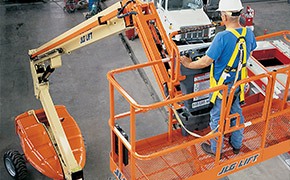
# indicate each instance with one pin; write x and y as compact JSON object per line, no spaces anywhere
{"x":192,"y":160}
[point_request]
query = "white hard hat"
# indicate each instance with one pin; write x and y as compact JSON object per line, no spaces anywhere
{"x":230,"y":5}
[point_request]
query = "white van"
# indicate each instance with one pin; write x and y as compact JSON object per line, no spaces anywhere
{"x":185,"y":14}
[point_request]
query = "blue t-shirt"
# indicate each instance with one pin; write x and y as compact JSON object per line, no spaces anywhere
{"x":222,"y":48}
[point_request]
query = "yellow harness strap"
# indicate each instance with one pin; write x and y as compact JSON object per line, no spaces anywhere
{"x":240,"y":47}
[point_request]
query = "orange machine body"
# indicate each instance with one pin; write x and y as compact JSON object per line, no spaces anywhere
{"x":32,"y":129}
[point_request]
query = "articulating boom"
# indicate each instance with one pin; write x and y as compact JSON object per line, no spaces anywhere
{"x":45,"y":59}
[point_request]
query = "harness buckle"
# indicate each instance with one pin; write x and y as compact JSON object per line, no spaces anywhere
{"x":241,"y":39}
{"x":228,"y":69}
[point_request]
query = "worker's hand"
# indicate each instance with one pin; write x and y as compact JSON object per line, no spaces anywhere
{"x":185,"y":61}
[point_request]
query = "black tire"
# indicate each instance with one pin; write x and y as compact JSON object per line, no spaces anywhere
{"x":15,"y":164}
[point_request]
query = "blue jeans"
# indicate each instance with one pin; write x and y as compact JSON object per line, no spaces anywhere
{"x":236,"y":136}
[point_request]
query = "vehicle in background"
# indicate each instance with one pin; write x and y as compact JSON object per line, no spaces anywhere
{"x":185,"y":14}
{"x":210,"y":7}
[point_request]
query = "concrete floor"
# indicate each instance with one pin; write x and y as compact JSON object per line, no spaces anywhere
{"x":81,"y":83}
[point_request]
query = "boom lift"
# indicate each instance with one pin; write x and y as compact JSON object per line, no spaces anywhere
{"x":52,"y":141}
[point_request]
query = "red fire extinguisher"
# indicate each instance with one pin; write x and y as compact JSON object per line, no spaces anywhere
{"x":248,"y":18}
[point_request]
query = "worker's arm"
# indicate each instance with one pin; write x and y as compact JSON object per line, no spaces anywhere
{"x":203,"y":62}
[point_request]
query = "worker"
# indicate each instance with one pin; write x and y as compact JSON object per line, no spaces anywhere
{"x":224,"y":57}
{"x":91,"y":2}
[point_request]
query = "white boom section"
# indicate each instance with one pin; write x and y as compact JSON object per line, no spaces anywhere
{"x":50,"y":53}
{"x":85,"y":33}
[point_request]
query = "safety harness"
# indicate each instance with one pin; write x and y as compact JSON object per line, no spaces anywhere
{"x":240,"y":47}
